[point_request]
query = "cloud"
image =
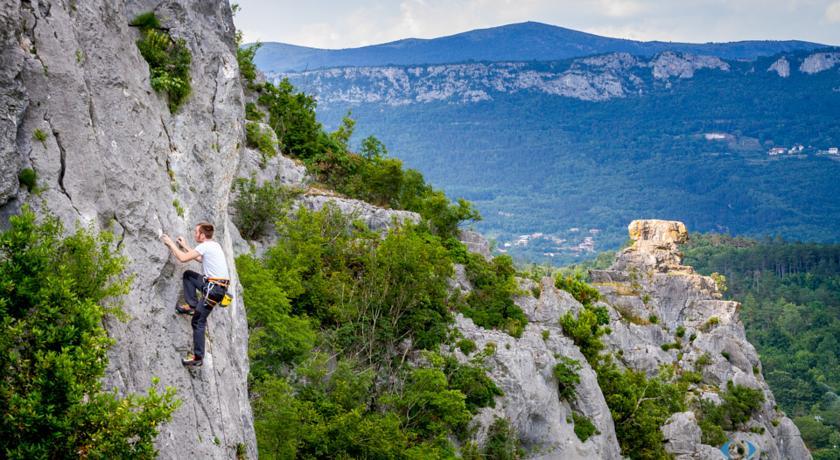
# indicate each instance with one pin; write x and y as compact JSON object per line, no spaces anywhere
{"x":832,"y":12}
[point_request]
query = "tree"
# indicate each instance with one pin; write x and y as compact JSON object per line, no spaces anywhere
{"x":54,"y":293}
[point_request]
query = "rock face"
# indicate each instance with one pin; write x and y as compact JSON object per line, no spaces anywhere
{"x":647,"y":281}
{"x":596,"y":78}
{"x":113,"y":157}
{"x":781,"y":67}
{"x":819,"y":62}
{"x":523,"y":369}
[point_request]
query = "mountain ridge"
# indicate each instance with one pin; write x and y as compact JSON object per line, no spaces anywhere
{"x":527,"y":41}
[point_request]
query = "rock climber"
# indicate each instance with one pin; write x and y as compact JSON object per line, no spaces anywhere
{"x":212,"y":286}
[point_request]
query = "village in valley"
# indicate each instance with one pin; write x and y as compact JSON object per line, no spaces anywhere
{"x":577,"y":242}
{"x":799,"y":149}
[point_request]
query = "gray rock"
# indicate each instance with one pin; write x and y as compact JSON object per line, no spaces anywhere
{"x":374,"y":217}
{"x":781,"y":67}
{"x":523,"y":370}
{"x":648,"y":279}
{"x":115,"y":158}
{"x":475,"y":242}
{"x":819,"y":62}
{"x":670,"y":64}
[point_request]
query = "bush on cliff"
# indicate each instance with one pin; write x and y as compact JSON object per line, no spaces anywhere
{"x":490,"y":304}
{"x":54,"y":293}
{"x":169,"y":60}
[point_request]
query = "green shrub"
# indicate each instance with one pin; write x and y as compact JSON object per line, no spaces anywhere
{"x":546,"y":334}
{"x":704,"y":360}
{"x":40,"y":136}
{"x":585,"y":332}
{"x":739,"y":403}
{"x":178,"y":208}
{"x":653,"y":319}
{"x":680,"y":331}
{"x":252,"y":113}
{"x":245,"y":58}
{"x":466,"y":346}
{"x":145,"y":21}
{"x":726,"y":355}
{"x":472,"y":381}
{"x":566,"y":373}
{"x":261,"y":140}
{"x":55,"y":349}
{"x":258,"y":206}
{"x":490,"y":304}
{"x":640,"y":405}
{"x":584,"y":428}
{"x":691,"y":377}
{"x":502,"y":441}
{"x":671,"y":346}
{"x":28,"y":178}
{"x":169,"y":61}
{"x":577,"y":287}
{"x":709,"y":324}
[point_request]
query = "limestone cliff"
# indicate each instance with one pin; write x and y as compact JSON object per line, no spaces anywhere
{"x":78,"y":108}
{"x":646,"y":280}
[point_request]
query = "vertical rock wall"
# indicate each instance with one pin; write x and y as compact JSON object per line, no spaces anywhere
{"x":115,"y":158}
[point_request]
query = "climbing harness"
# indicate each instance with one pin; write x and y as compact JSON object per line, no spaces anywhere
{"x":215,"y":292}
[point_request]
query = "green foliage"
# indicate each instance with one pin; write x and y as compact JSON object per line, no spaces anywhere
{"x":245,"y":58}
{"x":471,"y":380}
{"x":261,"y":140}
{"x":584,"y":428}
{"x":653,"y":319}
{"x":585,"y":331}
{"x":258,"y":206}
{"x":566,"y":372}
{"x":466,"y":346}
{"x":640,"y":406}
{"x":179,"y":209}
{"x":169,"y":60}
{"x":739,"y":403}
{"x":709,"y":324}
{"x":28,"y":178}
{"x":40,"y":136}
{"x":671,"y":346}
{"x":704,"y":360}
{"x":55,"y":294}
{"x":292,"y":116}
{"x":502,"y":442}
{"x":720,"y":281}
{"x":146,"y":20}
{"x":490,"y":304}
{"x":680,"y":331}
{"x":252,"y":113}
{"x":577,"y":287}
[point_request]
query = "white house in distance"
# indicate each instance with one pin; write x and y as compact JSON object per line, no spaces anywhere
{"x":777,"y":151}
{"x":833,"y":151}
{"x":798,"y":148}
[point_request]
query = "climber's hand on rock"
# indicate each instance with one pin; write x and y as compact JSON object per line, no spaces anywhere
{"x":166,"y":239}
{"x":181,"y":241}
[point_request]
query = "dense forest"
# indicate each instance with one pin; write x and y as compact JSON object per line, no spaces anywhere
{"x":532,"y":162}
{"x":790,"y":294}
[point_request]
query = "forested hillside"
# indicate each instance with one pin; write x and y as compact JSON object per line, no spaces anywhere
{"x":790,"y":294}
{"x":693,"y":149}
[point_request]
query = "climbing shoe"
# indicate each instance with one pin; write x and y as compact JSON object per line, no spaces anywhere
{"x":191,"y":361}
{"x":184,"y":309}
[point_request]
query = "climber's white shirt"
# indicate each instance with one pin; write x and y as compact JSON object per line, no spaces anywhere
{"x":213,"y":260}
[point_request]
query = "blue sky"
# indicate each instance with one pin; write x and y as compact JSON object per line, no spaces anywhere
{"x":344,"y":24}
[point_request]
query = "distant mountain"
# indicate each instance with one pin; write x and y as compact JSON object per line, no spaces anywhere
{"x":526,"y":41}
{"x":559,"y":155}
